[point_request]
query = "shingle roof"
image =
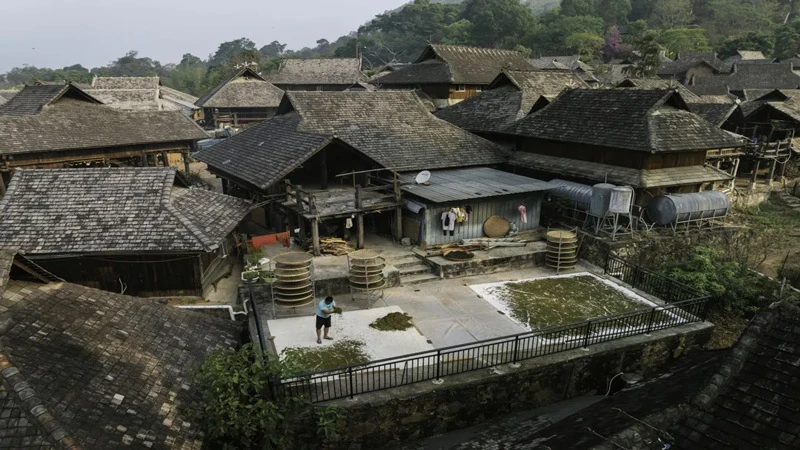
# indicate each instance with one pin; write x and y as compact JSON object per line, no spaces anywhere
{"x":659,"y":83}
{"x":716,"y":113}
{"x":470,"y":183}
{"x":393,"y":128}
{"x":319,"y":71}
{"x":635,"y":119}
{"x":97,"y":210}
{"x":102,"y":370}
{"x":244,"y":89}
{"x":686,"y":61}
{"x":45,"y":118}
{"x":752,"y":401}
{"x":512,"y":99}
{"x":455,"y":64}
{"x":597,"y":172}
{"x":754,"y":76}
{"x":6,"y":95}
{"x":6,"y":260}
{"x":570,"y":62}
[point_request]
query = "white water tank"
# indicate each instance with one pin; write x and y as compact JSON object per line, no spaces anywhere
{"x":621,"y":200}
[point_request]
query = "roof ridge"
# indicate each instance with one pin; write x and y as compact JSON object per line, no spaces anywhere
{"x":26,"y":398}
{"x":166,"y":200}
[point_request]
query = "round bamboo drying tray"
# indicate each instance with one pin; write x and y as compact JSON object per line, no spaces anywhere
{"x":283,"y":286}
{"x":368,"y":286}
{"x":295,"y":302}
{"x":293,"y":259}
{"x":364,"y":255}
{"x":293,"y":286}
{"x":377,"y":268}
{"x":562,"y":250}
{"x":294,"y":278}
{"x":496,"y":227}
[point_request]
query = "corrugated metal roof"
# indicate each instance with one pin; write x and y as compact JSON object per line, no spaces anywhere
{"x":470,"y":183}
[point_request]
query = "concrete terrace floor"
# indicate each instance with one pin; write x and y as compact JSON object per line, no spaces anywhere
{"x":447,"y":311}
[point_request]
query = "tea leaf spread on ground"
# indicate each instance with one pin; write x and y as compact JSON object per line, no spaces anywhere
{"x":297,"y":360}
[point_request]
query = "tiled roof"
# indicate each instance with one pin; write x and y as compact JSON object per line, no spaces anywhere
{"x":140,"y":94}
{"x":6,"y":95}
{"x":393,"y":128}
{"x":98,"y":210}
{"x":635,"y":119}
{"x":659,"y":83}
{"x":596,"y":172}
{"x":511,"y":99}
{"x":6,"y":260}
{"x":570,"y":62}
{"x":319,"y":71}
{"x":53,"y":118}
{"x":686,"y":61}
{"x":754,"y":76}
{"x":716,"y":113}
{"x":125,"y":83}
{"x":96,"y":370}
{"x":244,"y":89}
{"x":462,"y":65}
{"x":752,"y":401}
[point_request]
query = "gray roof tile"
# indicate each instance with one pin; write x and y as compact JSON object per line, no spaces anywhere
{"x":319,"y":71}
{"x":244,"y":89}
{"x":126,"y":209}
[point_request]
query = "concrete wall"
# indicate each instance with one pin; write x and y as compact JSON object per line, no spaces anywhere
{"x":387,"y":418}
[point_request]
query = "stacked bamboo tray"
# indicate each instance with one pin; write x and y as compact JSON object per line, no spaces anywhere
{"x":366,"y":271}
{"x":293,"y":285}
{"x":562,"y":250}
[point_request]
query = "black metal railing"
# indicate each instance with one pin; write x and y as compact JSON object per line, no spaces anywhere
{"x":373,"y":376}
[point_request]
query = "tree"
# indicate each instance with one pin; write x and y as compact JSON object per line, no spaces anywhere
{"x":228,"y":50}
{"x":787,"y":40}
{"x":272,"y":50}
{"x":684,"y":40}
{"x":614,"y":12}
{"x":497,"y":23}
{"x":646,"y":59}
{"x":671,"y":13}
{"x":550,"y":37}
{"x":751,"y":41}
{"x":587,"y":45}
{"x":613,"y":46}
{"x":130,"y":65}
{"x":577,"y":8}
{"x":459,"y":32}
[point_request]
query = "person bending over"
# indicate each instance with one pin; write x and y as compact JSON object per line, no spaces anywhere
{"x":324,"y":310}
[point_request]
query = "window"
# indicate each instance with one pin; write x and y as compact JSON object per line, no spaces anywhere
{"x":478,"y":89}
{"x":319,"y":88}
{"x":461,"y":88}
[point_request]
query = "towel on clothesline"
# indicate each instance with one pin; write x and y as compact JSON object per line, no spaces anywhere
{"x":267,"y":239}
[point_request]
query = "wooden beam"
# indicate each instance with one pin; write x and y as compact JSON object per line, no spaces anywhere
{"x":164,"y":159}
{"x":754,"y":176}
{"x":186,"y":162}
{"x":772,"y":171}
{"x":360,"y":227}
{"x":31,"y":272}
{"x":398,"y":223}
{"x":2,"y":185}
{"x":315,"y":236}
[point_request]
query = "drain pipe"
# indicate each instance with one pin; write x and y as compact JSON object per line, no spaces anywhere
{"x":229,"y":308}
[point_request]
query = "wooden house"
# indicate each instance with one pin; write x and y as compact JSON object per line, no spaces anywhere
{"x":244,"y":99}
{"x":332,"y":156}
{"x":141,"y":94}
{"x":60,"y":125}
{"x":572,"y":63}
{"x":749,"y":77}
{"x":319,"y":74}
{"x":508,"y":98}
{"x":690,"y":67}
{"x":123,"y":229}
{"x":646,"y":139}
{"x":452,"y":73}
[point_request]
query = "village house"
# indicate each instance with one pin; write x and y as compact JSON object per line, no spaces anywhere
{"x":60,"y":125}
{"x":330,"y":158}
{"x":141,"y":94}
{"x":319,"y":74}
{"x":572,"y":63}
{"x":689,"y":67}
{"x":509,"y":98}
{"x":90,"y":369}
{"x":745,"y":77}
{"x":244,"y":99}
{"x":136,"y":230}
{"x":646,"y":139}
{"x":748,"y":57}
{"x":452,"y":73}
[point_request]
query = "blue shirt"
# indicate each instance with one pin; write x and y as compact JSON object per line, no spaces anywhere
{"x":322,"y":306}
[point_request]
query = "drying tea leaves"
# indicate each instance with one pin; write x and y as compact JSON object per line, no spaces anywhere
{"x":394,"y":321}
{"x":298,"y":360}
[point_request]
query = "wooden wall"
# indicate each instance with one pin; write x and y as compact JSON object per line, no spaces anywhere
{"x":468,"y":92}
{"x":145,"y":275}
{"x":62,"y":158}
{"x":216,"y":118}
{"x":613,"y":156}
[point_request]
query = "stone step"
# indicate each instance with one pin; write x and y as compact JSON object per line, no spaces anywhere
{"x":403,"y":261}
{"x":417,"y":279}
{"x":414,"y":269}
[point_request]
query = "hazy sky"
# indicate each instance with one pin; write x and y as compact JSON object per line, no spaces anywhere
{"x":58,"y":33}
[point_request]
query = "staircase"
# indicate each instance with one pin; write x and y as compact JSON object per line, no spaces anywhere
{"x":35,"y":270}
{"x":790,"y":200}
{"x":412,"y":269}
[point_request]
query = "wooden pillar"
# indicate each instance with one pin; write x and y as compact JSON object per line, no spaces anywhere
{"x":783,"y":171}
{"x":323,"y":179}
{"x":185,"y":162}
{"x":315,"y":236}
{"x":754,"y":176}
{"x":143,"y":159}
{"x":164,"y":160}
{"x":772,"y":171}
{"x":398,"y":223}
{"x":2,"y":185}
{"x":224,"y":186}
{"x":359,"y":220}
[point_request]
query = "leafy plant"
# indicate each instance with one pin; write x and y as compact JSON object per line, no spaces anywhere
{"x":238,"y":407}
{"x":252,"y":258}
{"x":251,"y":275}
{"x":328,"y":422}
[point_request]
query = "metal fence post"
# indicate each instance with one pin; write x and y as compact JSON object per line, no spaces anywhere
{"x":605,"y":268}
{"x":516,"y":347}
{"x":350,"y":375}
{"x":438,"y":364}
{"x":586,"y":336}
{"x":651,"y":320}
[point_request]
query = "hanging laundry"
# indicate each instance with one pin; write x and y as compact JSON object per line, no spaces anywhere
{"x":468,"y":209}
{"x":448,"y":222}
{"x":461,"y":215}
{"x":268,"y":239}
{"x":348,"y":223}
{"x":284,"y":238}
{"x":523,"y":213}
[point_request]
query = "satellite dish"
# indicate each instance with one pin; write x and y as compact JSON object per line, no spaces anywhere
{"x":423,"y":177}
